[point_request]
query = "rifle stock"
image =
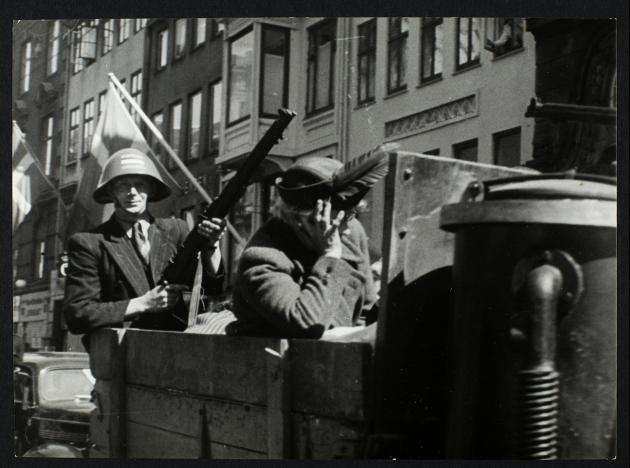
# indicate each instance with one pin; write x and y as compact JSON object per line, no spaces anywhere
{"x":181,"y":269}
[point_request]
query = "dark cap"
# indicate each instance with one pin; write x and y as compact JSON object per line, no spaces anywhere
{"x":308,"y":180}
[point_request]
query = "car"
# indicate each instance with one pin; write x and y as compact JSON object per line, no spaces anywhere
{"x":52,"y":404}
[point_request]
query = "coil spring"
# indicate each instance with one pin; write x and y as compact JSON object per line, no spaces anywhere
{"x":538,"y":406}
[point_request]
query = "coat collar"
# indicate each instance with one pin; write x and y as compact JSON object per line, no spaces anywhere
{"x":122,"y":252}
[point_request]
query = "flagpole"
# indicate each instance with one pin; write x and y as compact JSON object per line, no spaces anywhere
{"x":170,"y":151}
{"x":37,"y":165}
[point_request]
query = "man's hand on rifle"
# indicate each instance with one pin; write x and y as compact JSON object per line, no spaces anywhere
{"x":212,"y":230}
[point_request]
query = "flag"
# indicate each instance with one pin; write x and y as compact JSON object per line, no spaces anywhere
{"x":25,"y":183}
{"x":115,"y":130}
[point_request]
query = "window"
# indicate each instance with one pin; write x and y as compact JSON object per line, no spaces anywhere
{"x":397,"y":54}
{"x":52,"y":55}
{"x":88,"y":126}
{"x":466,"y":150}
{"x":433,"y":152}
{"x":136,"y":93}
{"x":180,"y":38}
{"x":123,"y":30}
{"x":467,"y":42}
{"x":241,"y":59}
{"x":174,"y":136}
{"x":73,"y":137}
{"x":138,"y":24}
{"x":275,"y":69}
{"x":194,"y":125}
{"x":158,"y":121}
{"x":101,"y":102}
{"x":162,"y":49}
{"x":431,"y":49}
{"x":216,"y":90}
{"x":367,"y":61}
{"x":199,"y":31}
{"x":41,"y":257}
{"x":49,"y":124}
{"x":321,"y":66}
{"x":507,"y":147}
{"x":108,"y":36}
{"x":217,"y":28}
{"x":25,"y":69}
{"x":503,"y":35}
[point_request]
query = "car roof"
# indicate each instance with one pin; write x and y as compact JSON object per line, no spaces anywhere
{"x":55,"y":358}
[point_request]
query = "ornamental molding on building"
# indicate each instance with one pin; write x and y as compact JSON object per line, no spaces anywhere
{"x":435,"y":117}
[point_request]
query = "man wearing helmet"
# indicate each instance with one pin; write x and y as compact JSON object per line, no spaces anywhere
{"x":114,"y":268}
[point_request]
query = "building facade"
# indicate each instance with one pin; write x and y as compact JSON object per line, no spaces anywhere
{"x":39,"y":90}
{"x":451,"y":87}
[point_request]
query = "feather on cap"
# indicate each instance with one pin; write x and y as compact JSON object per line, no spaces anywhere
{"x":314,"y":178}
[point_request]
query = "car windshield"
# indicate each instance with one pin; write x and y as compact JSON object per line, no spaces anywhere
{"x":65,"y":384}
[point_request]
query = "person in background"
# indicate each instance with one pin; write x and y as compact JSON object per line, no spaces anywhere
{"x":114,"y":269}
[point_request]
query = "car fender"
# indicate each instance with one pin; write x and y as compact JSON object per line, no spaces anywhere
{"x":53,"y":450}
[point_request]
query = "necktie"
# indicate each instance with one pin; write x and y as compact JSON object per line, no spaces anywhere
{"x":141,"y":242}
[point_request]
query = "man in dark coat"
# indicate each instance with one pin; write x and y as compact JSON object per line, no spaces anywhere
{"x":307,"y":269}
{"x":114,"y":269}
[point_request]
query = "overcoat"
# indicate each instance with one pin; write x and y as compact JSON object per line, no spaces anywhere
{"x":105,"y":272}
{"x":284,"y":289}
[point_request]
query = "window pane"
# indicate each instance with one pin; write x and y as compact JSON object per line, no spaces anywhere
{"x":475,"y":40}
{"x":240,"y":81}
{"x":215,"y":130}
{"x":507,"y":148}
{"x":108,"y":36}
{"x":394,"y":60}
{"x":324,"y":53}
{"x":194,"y":118}
{"x":162,"y":48}
{"x":463,"y":41}
{"x":200,"y":30}
{"x":439,"y":38}
{"x":176,"y":127}
{"x":466,"y":151}
{"x":274,"y":57}
{"x":180,"y":37}
{"x":53,"y":48}
{"x":158,"y":121}
{"x":321,"y":65}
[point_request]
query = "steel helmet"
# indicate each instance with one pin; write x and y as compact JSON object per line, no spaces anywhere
{"x":130,"y":161}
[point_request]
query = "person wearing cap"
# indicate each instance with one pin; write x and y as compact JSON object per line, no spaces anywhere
{"x":307,"y":269}
{"x":114,"y":268}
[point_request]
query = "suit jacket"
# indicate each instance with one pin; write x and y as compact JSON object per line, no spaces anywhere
{"x":283,"y":289}
{"x":105,"y":272}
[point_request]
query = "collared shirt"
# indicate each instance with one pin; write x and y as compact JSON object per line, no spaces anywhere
{"x":128,"y":226}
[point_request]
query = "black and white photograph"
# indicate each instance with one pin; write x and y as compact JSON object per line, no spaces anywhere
{"x":294,"y":238}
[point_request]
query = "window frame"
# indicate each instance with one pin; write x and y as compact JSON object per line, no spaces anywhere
{"x":368,"y":51}
{"x":196,"y":43}
{"x":211,"y":149}
{"x":162,"y":39}
{"x":285,"y":77}
{"x":399,"y":40}
{"x":139,"y":24}
{"x":229,"y":75}
{"x":171,"y":141}
{"x":108,"y":35}
{"x":216,"y":29}
{"x":178,"y":56}
{"x":124,"y":30}
{"x":462,"y":145}
{"x":189,"y":128}
{"x":74,"y":126}
{"x":135,"y":91}
{"x":429,"y":26}
{"x":88,"y":124}
{"x":26,"y":66}
{"x":502,"y":134}
{"x":54,"y":47}
{"x":48,"y":144}
{"x":516,"y":42}
{"x":101,"y":103}
{"x":155,"y":143}
{"x":312,"y":55}
{"x":469,"y":63}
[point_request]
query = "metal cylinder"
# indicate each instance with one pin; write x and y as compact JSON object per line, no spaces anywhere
{"x":535,"y":319}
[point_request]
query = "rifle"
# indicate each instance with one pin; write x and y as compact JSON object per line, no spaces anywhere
{"x":181,"y":269}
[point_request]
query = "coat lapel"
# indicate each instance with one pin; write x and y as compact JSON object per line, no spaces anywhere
{"x":160,"y":241}
{"x":123,"y":254}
